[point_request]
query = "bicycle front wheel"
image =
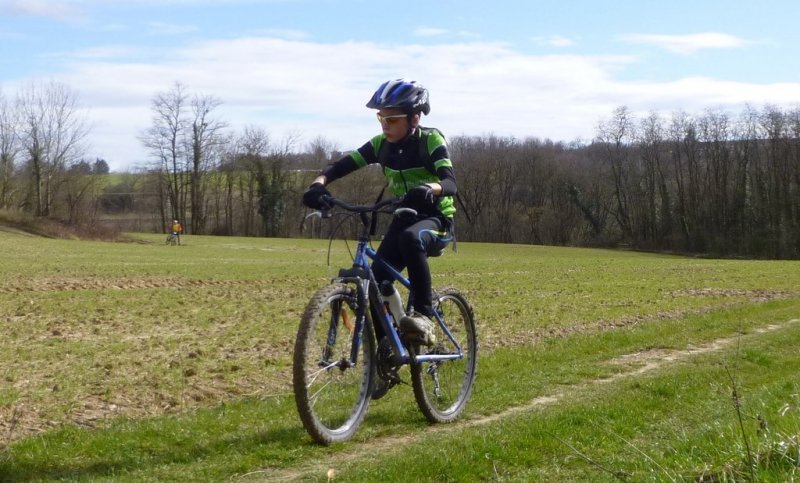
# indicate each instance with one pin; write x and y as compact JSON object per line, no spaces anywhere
{"x":442,"y":388}
{"x":332,"y":390}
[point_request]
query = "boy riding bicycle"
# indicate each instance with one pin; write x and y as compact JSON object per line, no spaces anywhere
{"x":418,"y":169}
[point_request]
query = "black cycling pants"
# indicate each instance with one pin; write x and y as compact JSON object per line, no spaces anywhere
{"x":407,"y":244}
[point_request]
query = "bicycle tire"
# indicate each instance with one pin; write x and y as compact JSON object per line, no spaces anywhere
{"x":332,"y":398}
{"x":442,"y":389}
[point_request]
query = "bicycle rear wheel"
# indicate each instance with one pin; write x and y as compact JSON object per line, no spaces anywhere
{"x":332,"y":392}
{"x":443,"y":388}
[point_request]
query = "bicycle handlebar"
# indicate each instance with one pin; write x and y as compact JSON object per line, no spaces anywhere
{"x":330,"y":200}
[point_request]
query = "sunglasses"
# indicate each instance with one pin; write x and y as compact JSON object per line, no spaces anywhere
{"x":390,"y":120}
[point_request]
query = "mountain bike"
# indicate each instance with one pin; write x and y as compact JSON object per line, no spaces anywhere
{"x":337,"y":359}
{"x":172,"y":239}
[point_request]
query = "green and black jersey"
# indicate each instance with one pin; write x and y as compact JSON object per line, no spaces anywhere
{"x":420,"y":158}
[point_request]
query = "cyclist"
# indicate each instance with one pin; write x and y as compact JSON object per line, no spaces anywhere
{"x":176,"y":229}
{"x":418,"y":169}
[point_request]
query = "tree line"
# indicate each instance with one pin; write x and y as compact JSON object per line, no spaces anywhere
{"x":711,"y":183}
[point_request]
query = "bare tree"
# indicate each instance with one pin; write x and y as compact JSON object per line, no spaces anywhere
{"x":251,"y":147}
{"x":322,"y":150}
{"x":475,"y":167}
{"x":205,"y":137}
{"x":166,"y":141}
{"x":587,"y":191}
{"x":272,"y":178}
{"x":714,"y":128}
{"x":9,"y":148}
{"x":684,"y":159}
{"x":52,"y":133}
{"x":656,"y":220}
{"x":80,"y":192}
{"x":615,"y":134}
{"x":219,"y":197}
{"x":779,"y":182}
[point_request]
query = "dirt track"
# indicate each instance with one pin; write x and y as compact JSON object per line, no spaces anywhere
{"x":634,"y":365}
{"x":68,"y":284}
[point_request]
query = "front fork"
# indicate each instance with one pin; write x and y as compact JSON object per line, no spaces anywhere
{"x":355,"y":328}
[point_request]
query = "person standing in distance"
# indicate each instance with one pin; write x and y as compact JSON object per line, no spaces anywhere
{"x":176,"y":229}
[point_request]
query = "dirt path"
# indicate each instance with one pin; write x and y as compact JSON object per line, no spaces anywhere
{"x":127,"y":283}
{"x":638,"y":364}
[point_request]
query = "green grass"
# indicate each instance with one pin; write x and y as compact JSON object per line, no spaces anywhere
{"x":137,"y":361}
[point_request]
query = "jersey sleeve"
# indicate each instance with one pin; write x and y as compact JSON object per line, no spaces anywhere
{"x":447,"y":178}
{"x":366,"y":154}
{"x":440,"y":158}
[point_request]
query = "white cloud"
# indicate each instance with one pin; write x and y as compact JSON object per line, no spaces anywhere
{"x":290,"y":86}
{"x":105,"y":52}
{"x":555,"y":41}
{"x":288,"y":34}
{"x":45,"y":8}
{"x":69,"y":10}
{"x":687,"y":44}
{"x":430,"y":32}
{"x":559,"y":41}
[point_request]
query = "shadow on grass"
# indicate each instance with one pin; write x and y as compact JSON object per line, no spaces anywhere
{"x":213,"y":443}
{"x":140,"y":449}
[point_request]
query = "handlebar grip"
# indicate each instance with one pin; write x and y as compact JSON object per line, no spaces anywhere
{"x":404,"y":209}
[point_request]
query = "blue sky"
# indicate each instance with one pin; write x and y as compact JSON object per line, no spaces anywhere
{"x":305,"y":68}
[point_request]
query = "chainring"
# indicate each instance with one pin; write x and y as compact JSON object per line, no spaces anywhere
{"x":387,"y":364}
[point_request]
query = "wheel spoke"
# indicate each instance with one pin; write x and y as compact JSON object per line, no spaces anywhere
{"x":313,"y":398}
{"x":442,"y":388}
{"x":331,"y":392}
{"x":313,"y":375}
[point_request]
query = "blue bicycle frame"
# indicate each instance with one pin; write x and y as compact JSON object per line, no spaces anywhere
{"x":361,"y":267}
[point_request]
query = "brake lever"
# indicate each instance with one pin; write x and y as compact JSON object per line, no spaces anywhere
{"x":325,"y":211}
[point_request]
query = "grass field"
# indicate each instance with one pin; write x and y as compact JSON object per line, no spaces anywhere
{"x":143,"y":362}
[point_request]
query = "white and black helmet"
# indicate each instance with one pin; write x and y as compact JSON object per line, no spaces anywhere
{"x":403,"y":94}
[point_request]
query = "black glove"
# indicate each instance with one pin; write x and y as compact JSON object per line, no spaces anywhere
{"x":313,"y":196}
{"x":420,"y":198}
